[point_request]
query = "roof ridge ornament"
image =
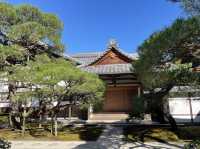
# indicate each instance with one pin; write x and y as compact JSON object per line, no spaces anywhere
{"x":112,"y":43}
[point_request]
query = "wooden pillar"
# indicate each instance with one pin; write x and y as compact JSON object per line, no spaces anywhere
{"x":90,"y":111}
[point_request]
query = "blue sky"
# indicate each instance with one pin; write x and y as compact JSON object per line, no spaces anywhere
{"x":89,"y":24}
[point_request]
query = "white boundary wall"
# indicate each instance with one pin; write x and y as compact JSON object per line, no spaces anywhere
{"x":181,"y":111}
{"x":4,"y":104}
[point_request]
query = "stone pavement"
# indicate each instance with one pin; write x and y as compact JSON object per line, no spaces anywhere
{"x":111,"y":138}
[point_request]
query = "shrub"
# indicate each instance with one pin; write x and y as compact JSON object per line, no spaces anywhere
{"x":138,"y":108}
{"x":4,"y":144}
{"x":83,"y":113}
{"x":193,"y":145}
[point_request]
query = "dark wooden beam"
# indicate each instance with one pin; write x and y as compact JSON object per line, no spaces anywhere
{"x":131,"y":83}
{"x":117,"y":75}
{"x":119,"y":78}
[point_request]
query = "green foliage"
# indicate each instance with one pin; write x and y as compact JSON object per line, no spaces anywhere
{"x":25,"y":25}
{"x":192,"y":7}
{"x":58,"y":80}
{"x":8,"y":15}
{"x":138,"y":109}
{"x":11,"y":53}
{"x":28,"y":13}
{"x":171,"y":47}
{"x":165,"y":60}
{"x":193,"y":145}
{"x":29,"y":31}
{"x":4,"y":144}
{"x":24,"y":33}
{"x":98,"y":106}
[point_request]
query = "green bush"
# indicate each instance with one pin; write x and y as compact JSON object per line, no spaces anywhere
{"x":4,"y":144}
{"x":98,"y":106}
{"x":3,"y":119}
{"x":83,"y":113}
{"x":193,"y":145}
{"x":138,"y":108}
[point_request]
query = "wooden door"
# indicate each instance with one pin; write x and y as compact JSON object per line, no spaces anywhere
{"x":119,"y":99}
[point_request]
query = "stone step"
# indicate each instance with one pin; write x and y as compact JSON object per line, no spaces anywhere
{"x":109,"y":116}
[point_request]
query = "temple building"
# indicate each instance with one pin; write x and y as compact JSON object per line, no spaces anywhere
{"x":115,"y":68}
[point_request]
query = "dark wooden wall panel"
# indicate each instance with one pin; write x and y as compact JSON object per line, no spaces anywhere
{"x":119,"y":99}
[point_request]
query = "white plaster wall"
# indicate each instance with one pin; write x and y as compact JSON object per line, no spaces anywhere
{"x":4,"y":104}
{"x":3,"y":87}
{"x":180,"y":109}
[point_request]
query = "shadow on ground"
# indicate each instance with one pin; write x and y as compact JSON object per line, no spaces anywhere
{"x":113,"y":138}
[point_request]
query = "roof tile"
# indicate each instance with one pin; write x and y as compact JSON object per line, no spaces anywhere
{"x":109,"y":69}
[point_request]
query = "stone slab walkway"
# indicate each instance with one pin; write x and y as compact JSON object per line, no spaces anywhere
{"x":111,"y":138}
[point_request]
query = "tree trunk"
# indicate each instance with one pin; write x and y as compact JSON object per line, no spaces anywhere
{"x":40,"y":121}
{"x":40,"y":113}
{"x":10,"y":121}
{"x":24,"y":122}
{"x":70,"y":112}
{"x":163,"y":115}
{"x":52,"y":124}
{"x":159,"y":96}
{"x":55,"y":126}
{"x":191,"y":111}
{"x":16,"y":124}
{"x":171,"y":121}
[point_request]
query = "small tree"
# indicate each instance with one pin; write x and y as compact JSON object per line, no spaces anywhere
{"x":57,"y":81}
{"x":25,"y":32}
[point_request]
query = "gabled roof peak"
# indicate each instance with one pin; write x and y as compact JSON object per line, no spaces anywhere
{"x":109,"y":53}
{"x":90,"y":58}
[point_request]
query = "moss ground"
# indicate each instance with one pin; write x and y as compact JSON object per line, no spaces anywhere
{"x":86,"y":133}
{"x":146,"y":134}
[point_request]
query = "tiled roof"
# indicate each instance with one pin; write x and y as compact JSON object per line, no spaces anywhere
{"x":87,"y":58}
{"x":72,"y":59}
{"x":185,"y":89}
{"x":109,"y":69}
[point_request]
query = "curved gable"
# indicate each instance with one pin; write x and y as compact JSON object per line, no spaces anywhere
{"x":112,"y":56}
